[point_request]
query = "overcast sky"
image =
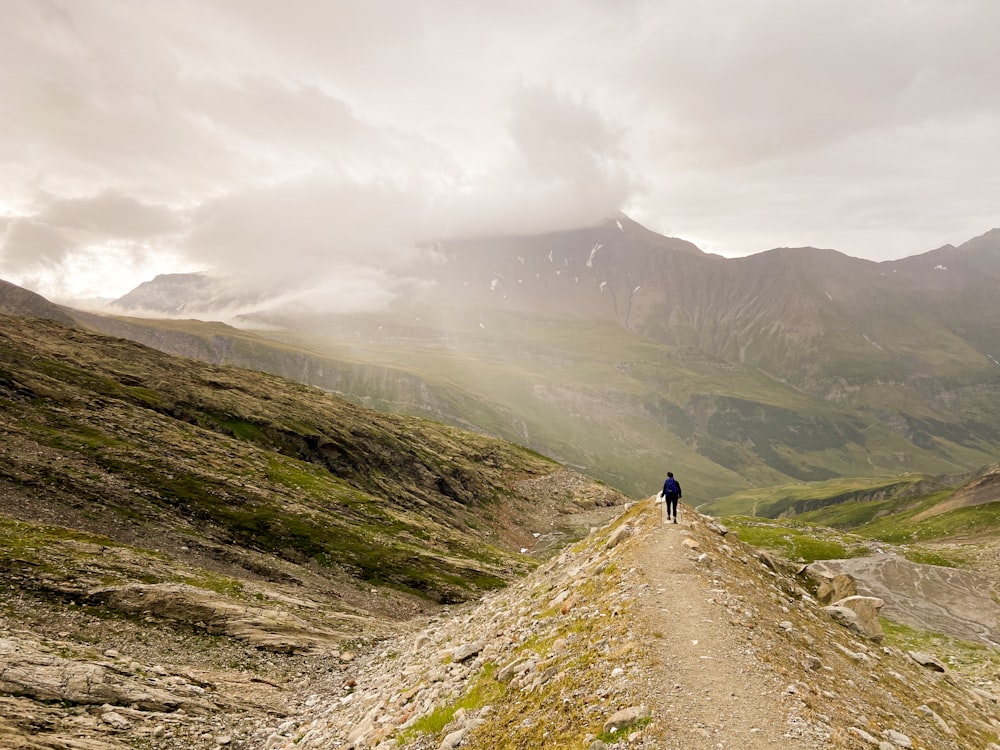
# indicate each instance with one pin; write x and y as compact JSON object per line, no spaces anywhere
{"x":311,"y":142}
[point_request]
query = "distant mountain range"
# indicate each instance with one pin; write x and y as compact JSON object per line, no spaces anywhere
{"x":624,"y":353}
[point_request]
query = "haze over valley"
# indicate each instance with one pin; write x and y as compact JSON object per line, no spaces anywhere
{"x":622,"y":352}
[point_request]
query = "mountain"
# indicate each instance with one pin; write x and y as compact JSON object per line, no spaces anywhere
{"x":178,"y":293}
{"x":203,"y":517}
{"x":197,"y":556}
{"x":624,"y":353}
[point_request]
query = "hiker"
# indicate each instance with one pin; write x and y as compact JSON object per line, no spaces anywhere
{"x":671,"y":494}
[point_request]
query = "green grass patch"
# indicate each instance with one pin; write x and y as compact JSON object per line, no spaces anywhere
{"x":819,"y":498}
{"x":969,"y":658}
{"x":485,"y":690}
{"x":951,"y":558}
{"x":220,"y":584}
{"x":623,"y":732}
{"x":303,"y":476}
{"x":241,"y":429}
{"x":978,"y":520}
{"x":805,"y":543}
{"x":23,"y":540}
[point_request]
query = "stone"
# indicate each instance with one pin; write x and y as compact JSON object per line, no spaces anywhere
{"x":984,"y":694}
{"x":936,"y":718}
{"x":568,"y":605}
{"x":45,"y":677}
{"x":866,"y":608}
{"x":514,"y":668}
{"x":270,"y":630}
{"x":467,"y":651}
{"x":926,"y":660}
{"x":116,"y":720}
{"x":619,"y":535}
{"x":625,"y":717}
{"x":841,"y":586}
{"x":898,"y":738}
{"x":768,"y":560}
{"x":865,"y":736}
{"x":453,"y":740}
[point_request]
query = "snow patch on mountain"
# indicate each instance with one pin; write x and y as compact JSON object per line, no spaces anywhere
{"x":871,"y":342}
{"x":593,"y":252}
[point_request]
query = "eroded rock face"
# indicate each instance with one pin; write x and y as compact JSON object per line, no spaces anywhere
{"x":931,"y":597}
{"x":27,"y":672}
{"x":269,"y":629}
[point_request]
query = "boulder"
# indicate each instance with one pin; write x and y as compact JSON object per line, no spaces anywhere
{"x":467,"y":651}
{"x":625,"y":717}
{"x":620,"y":534}
{"x":858,"y":614}
{"x":927,"y":661}
{"x":866,"y":608}
{"x":834,"y":589}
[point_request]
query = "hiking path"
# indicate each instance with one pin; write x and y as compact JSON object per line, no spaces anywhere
{"x":710,"y":689}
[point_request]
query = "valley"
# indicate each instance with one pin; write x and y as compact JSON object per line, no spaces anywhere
{"x":298,"y":551}
{"x":618,"y":351}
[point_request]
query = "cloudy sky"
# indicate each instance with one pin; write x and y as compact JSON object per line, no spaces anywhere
{"x":311,"y":143}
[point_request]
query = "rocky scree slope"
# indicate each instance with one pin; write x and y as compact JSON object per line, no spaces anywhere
{"x":582,"y":653}
{"x":181,"y":542}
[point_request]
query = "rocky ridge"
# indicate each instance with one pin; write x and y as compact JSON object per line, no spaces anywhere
{"x":642,"y":635}
{"x":590,"y":652}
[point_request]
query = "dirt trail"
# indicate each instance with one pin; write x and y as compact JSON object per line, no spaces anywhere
{"x":711,"y":691}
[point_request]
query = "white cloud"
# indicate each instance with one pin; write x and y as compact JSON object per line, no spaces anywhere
{"x":109,"y":213}
{"x":317,"y":140}
{"x":28,"y":243}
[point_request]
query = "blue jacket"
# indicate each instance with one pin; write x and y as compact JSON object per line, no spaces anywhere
{"x":672,"y":488}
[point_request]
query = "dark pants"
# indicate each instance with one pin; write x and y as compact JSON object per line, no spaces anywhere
{"x":671,"y":501}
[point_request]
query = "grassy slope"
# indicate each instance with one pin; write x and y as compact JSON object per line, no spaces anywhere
{"x":113,"y":438}
{"x":626,"y":408}
{"x":597,"y":397}
{"x":892,"y":510}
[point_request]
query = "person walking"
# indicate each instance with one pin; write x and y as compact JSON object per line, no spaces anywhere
{"x":671,"y":494}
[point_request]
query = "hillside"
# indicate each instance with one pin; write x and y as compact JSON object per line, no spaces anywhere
{"x":209,"y":516}
{"x":962,"y":508}
{"x":592,"y":345}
